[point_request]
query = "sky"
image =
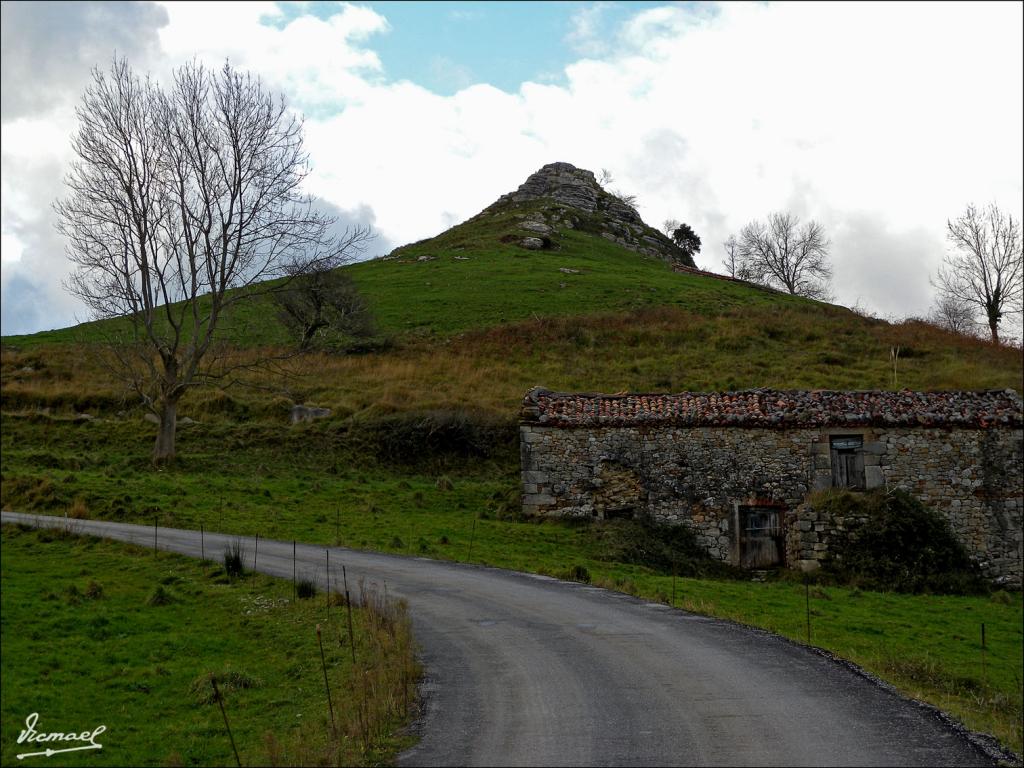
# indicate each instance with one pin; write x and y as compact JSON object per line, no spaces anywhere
{"x":879,"y":120}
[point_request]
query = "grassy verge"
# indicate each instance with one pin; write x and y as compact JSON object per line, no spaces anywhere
{"x":98,"y":632}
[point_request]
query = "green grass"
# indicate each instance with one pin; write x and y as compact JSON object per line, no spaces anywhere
{"x":98,"y":632}
{"x":474,"y":280}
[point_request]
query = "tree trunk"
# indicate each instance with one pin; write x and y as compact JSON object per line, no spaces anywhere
{"x":993,"y":326}
{"x":163,"y":452}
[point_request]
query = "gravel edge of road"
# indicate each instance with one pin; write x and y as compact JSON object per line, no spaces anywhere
{"x":985,"y":743}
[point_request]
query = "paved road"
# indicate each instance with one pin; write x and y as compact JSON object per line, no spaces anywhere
{"x":526,"y":670}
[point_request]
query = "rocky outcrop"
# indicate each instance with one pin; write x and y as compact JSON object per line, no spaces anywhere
{"x":303,"y":413}
{"x":571,"y":198}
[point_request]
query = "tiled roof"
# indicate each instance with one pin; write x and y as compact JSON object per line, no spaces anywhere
{"x":775,"y":409}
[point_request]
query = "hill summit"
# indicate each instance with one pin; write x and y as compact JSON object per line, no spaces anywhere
{"x":561,"y":197}
{"x":571,"y":197}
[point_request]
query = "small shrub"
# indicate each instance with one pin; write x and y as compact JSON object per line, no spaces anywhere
{"x":159,"y":596}
{"x":663,"y":548}
{"x":507,"y":504}
{"x":397,"y":543}
{"x":78,"y":510}
{"x":900,"y":546}
{"x":72,"y":595}
{"x":409,"y":438}
{"x":1001,"y":597}
{"x":305,"y":589}
{"x":578,"y":573}
{"x":228,"y":682}
{"x":94,"y":591}
{"x":234,"y":559}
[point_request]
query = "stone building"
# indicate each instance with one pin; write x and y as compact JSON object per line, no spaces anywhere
{"x":738,"y":466}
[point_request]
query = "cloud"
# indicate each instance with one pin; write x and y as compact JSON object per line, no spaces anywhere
{"x":587,"y":35}
{"x":448,"y":74}
{"x":47,"y":52}
{"x":48,"y":48}
{"x":347,"y":222}
{"x":321,"y":64}
{"x":34,"y":263}
{"x":882,"y":265}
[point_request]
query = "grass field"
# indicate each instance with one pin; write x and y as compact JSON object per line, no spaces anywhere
{"x":98,"y":632}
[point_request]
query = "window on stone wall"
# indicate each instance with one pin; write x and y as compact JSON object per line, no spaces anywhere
{"x":847,"y":461}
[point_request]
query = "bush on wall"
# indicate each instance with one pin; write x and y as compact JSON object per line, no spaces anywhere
{"x":898,"y":545}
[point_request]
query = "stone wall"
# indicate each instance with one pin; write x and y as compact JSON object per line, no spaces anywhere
{"x":700,"y":476}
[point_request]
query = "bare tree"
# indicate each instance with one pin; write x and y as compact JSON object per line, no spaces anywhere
{"x":732,"y":262}
{"x":606,"y":180}
{"x":669,"y":226}
{"x":784,"y":254}
{"x":181,"y":203}
{"x":985,"y":270}
{"x":954,"y":315}
{"x":322,"y":302}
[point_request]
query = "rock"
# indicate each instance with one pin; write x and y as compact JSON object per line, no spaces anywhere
{"x":152,"y":418}
{"x":84,"y":417}
{"x":301,"y":413}
{"x":532,"y":243}
{"x":536,"y":226}
{"x":426,"y":257}
{"x":568,"y":271}
{"x":461,"y":258}
{"x":567,"y":190}
{"x":185,"y":421}
{"x":564,"y":183}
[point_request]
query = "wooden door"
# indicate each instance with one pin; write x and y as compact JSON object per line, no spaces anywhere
{"x":760,"y":537}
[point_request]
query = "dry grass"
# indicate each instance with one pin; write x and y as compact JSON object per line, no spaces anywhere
{"x":378,"y":691}
{"x":78,"y":509}
{"x":487,"y":371}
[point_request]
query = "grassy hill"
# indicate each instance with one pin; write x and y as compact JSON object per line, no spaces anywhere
{"x":475,"y":276}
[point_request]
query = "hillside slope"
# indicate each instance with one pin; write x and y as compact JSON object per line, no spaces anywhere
{"x":540,"y":288}
{"x":559,"y":245}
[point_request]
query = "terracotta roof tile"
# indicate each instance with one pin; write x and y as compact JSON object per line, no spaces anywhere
{"x":776,"y":409}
